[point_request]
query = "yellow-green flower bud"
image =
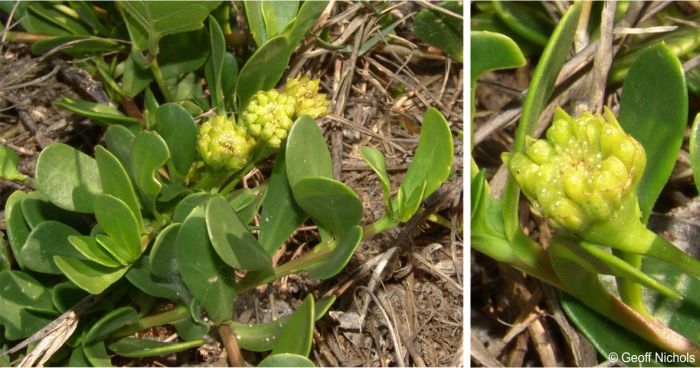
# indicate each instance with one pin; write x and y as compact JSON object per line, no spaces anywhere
{"x":581,"y":174}
{"x":584,"y":177}
{"x":309,"y":101}
{"x":223,"y":145}
{"x":268,"y":116}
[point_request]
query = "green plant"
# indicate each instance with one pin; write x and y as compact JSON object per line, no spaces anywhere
{"x":595,"y":179}
{"x":157,"y":217}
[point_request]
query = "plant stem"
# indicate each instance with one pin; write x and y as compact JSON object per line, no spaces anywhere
{"x":435,"y":218}
{"x":158,"y":75}
{"x":630,"y":290}
{"x":384,"y":223}
{"x":210,"y":179}
{"x":626,"y":232}
{"x":231,"y":345}
{"x":254,"y":279}
{"x":173,"y":315}
{"x":25,"y":37}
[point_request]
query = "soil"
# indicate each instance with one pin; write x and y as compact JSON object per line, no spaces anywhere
{"x":411,"y":278}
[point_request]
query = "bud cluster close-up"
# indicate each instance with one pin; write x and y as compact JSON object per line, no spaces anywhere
{"x":582,"y":172}
{"x":596,"y":190}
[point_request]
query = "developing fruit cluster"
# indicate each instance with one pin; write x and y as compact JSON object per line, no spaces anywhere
{"x":583,"y":172}
{"x":225,"y":145}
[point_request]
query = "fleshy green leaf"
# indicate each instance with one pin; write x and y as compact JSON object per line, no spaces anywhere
{"x":586,"y":286}
{"x":546,"y":72}
{"x":280,"y":213}
{"x":339,"y":256}
{"x":309,"y":151}
{"x":433,"y":158}
{"x":256,"y":22}
{"x":18,"y":292}
{"x":297,"y":335}
{"x":487,"y":233}
{"x":408,"y":203}
{"x":48,"y":239}
{"x":96,"y":111}
{"x":263,"y":70}
{"x":78,"y":358}
{"x":178,"y":130}
{"x":68,"y":177}
{"x":442,"y":30}
{"x":694,"y":151}
{"x":17,"y":228}
{"x":90,"y":249}
{"x":191,"y":327}
{"x":170,"y":287}
{"x":36,"y":209}
{"x":232,"y":240}
{"x":159,"y":19}
{"x":329,"y":202}
{"x":152,"y":153}
{"x":117,"y":220}
{"x":111,"y":322}
{"x":79,"y":45}
{"x":263,"y":336}
{"x":5,"y":254}
{"x":597,"y":329}
{"x":188,"y":204}
{"x":119,"y":141}
{"x":114,"y":249}
{"x":654,"y":109}
{"x":142,"y":348}
{"x":209,"y":279}
{"x":65,"y":295}
{"x":375,"y":159}
{"x":116,"y":182}
{"x":150,"y":106}
{"x":135,"y":78}
{"x":246,"y":202}
{"x":308,"y":15}
{"x":58,"y":18}
{"x":96,"y":354}
{"x":493,"y":51}
{"x":527,"y":21}
{"x":162,"y":259}
{"x":286,"y":360}
{"x":173,"y":62}
{"x":8,"y":165}
{"x":277,"y":15}
{"x":89,"y":276}
{"x":229,"y":76}
{"x":215,"y":64}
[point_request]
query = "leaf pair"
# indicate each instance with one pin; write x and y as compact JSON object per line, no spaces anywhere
{"x":431,"y":166}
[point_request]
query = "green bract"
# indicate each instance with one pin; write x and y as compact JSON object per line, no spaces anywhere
{"x":224,"y":145}
{"x":582,"y":173}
